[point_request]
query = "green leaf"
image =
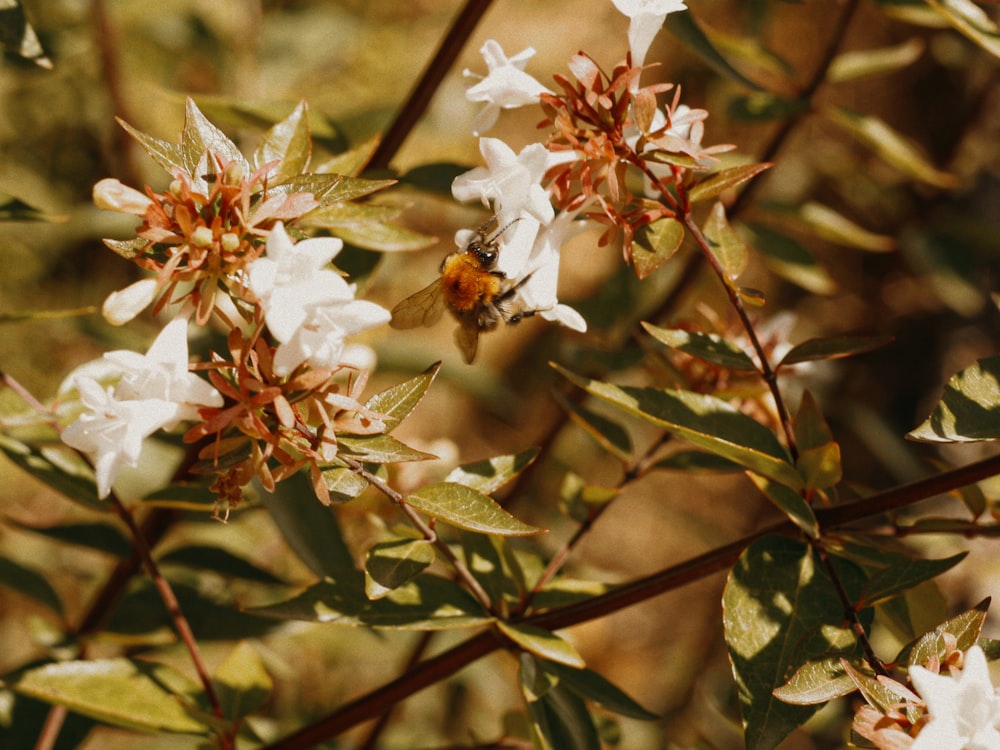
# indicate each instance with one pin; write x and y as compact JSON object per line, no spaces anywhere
{"x":542,"y":643}
{"x":428,"y":602}
{"x":469,"y":509}
{"x":389,"y":565}
{"x":898,"y":578}
{"x":780,"y":610}
{"x":878,"y":694}
{"x":789,"y":502}
{"x":848,"y":66}
{"x":655,"y":244}
{"x":827,"y":224}
{"x":241,"y":682}
{"x":58,"y":470}
{"x":310,"y":529}
{"x":166,"y":154}
{"x":491,"y":474}
{"x":789,"y":259}
{"x":122,"y":692}
{"x":435,"y":177}
{"x":891,"y":146}
{"x":396,"y":402}
{"x":289,"y":143}
{"x":350,"y":161}
{"x":102,"y":537}
{"x":379,"y":449}
{"x":817,"y":682}
{"x":726,"y":245}
{"x":29,"y":582}
{"x":704,"y":421}
{"x":593,"y":687}
{"x":764,"y":106}
{"x":726,"y":179}
{"x":194,"y":497}
{"x":493,"y":563}
{"x":965,"y":627}
{"x":19,"y":37}
{"x":199,"y":136}
{"x":683,"y":26}
{"x":833,"y":347}
{"x":609,"y":434}
{"x":15,"y":209}
{"x":707,"y":346}
{"x":581,"y":501}
{"x":559,"y":717}
{"x":971,"y":21}
{"x":697,"y":462}
{"x":204,"y":557}
{"x":343,"y":484}
{"x":819,"y":454}
{"x":969,"y":411}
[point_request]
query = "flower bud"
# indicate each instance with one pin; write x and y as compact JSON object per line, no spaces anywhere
{"x":111,"y":195}
{"x":121,"y":306}
{"x":230,"y":242}
{"x":202,"y":237}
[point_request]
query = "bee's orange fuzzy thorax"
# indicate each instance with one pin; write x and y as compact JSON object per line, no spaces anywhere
{"x":466,"y":284}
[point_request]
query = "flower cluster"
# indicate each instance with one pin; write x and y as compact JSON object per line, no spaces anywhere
{"x":956,"y":712}
{"x":216,"y":240}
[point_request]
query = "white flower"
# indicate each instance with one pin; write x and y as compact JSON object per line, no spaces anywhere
{"x":111,"y":432}
{"x":111,"y":195}
{"x":309,"y":308}
{"x":512,"y":182}
{"x":964,"y":709}
{"x":540,"y":291}
{"x":505,"y":86}
{"x":162,"y":374}
{"x":121,"y":306}
{"x":645,"y":19}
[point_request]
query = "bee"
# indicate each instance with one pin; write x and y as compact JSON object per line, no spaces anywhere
{"x":478,"y":294}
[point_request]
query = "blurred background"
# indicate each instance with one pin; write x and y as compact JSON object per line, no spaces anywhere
{"x":249,"y":63}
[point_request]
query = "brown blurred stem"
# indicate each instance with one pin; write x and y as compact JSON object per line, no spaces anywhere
{"x":420,"y":97}
{"x":444,"y":665}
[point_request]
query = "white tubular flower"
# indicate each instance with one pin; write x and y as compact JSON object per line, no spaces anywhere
{"x":122,"y":306}
{"x":512,"y":182}
{"x":162,"y":374}
{"x":964,"y":709}
{"x":645,"y":19}
{"x":309,"y":308}
{"x":111,"y":432}
{"x":540,"y":291}
{"x":505,"y":86}
{"x":111,"y":195}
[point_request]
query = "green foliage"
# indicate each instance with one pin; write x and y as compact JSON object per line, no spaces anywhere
{"x":968,"y":410}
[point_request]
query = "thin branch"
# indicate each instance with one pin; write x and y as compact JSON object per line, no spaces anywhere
{"x":429,"y":672}
{"x":416,"y":104}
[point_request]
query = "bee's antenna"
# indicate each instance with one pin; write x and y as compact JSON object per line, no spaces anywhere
{"x":503,"y":229}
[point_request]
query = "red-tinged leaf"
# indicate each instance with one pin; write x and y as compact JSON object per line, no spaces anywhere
{"x":655,"y":244}
{"x":725,"y":243}
{"x":833,"y":347}
{"x":466,"y":508}
{"x":707,"y":346}
{"x":542,"y":643}
{"x":891,"y":146}
{"x":135,"y":695}
{"x":969,"y":411}
{"x":716,"y":184}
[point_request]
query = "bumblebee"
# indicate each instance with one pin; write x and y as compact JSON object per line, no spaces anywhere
{"x":478,"y":294}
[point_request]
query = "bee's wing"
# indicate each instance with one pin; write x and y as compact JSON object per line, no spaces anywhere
{"x":421,"y":309}
{"x":467,"y":338}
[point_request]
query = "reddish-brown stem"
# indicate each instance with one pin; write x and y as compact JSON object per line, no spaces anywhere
{"x":766,"y":371}
{"x":433,"y":670}
{"x":416,"y":104}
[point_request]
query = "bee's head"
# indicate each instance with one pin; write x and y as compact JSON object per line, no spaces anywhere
{"x":485,"y":252}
